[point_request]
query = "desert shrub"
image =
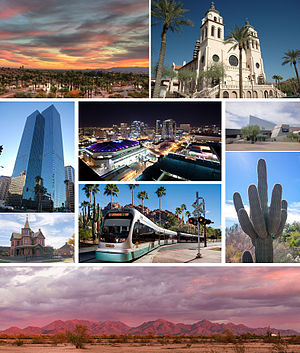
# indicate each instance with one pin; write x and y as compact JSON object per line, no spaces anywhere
{"x":79,"y":336}
{"x":38,"y":339}
{"x":280,"y":347}
{"x":239,"y":348}
{"x":59,"y":337}
{"x":18,"y":342}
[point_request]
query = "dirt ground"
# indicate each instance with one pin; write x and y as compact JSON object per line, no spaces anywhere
{"x":264,"y":146}
{"x":145,"y":348}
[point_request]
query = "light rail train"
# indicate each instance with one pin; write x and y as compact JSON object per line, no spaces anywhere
{"x":126,"y":234}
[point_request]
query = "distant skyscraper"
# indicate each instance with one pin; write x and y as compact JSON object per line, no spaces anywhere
{"x":136,"y":129}
{"x":185,"y":127}
{"x":41,"y":154}
{"x":158,"y":127}
{"x":169,"y":130}
{"x":69,"y":173}
{"x":4,"y":185}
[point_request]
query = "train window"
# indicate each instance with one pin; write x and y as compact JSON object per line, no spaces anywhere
{"x":115,"y":230}
{"x":143,"y":233}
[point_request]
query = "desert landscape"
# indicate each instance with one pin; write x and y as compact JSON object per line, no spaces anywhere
{"x":155,"y":345}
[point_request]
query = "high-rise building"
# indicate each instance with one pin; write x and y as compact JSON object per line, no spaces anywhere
{"x":4,"y":185}
{"x":185,"y":127}
{"x":69,"y":173}
{"x":136,"y":129}
{"x":69,"y":177}
{"x":158,"y":127}
{"x":169,"y":130}
{"x":41,"y":155}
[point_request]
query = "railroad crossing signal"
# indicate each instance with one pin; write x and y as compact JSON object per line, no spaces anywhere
{"x":201,"y":220}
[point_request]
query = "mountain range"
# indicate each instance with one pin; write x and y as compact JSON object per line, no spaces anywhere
{"x":157,"y":327}
{"x":133,"y":69}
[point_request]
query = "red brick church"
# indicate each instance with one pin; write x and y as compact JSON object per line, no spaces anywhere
{"x":28,"y":243}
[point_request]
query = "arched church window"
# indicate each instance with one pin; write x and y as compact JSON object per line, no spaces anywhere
{"x":202,"y":59}
{"x":215,"y":19}
{"x":233,"y":60}
{"x":205,"y":32}
{"x":213,"y":31}
{"x":257,"y":65}
{"x":225,"y":94}
{"x":219,"y":32}
{"x":253,"y":44}
{"x":256,"y":45}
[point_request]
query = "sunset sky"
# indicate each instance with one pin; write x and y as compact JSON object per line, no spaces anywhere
{"x":256,"y":297}
{"x":58,"y":34}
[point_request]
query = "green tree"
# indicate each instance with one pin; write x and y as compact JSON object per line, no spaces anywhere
{"x":143,"y":196}
{"x":292,"y":57}
{"x":112,"y":190}
{"x":250,"y":131}
{"x":277,"y":79}
{"x":183,"y":208}
{"x":87,"y":188}
{"x":239,"y":36}
{"x":186,"y":76}
{"x":215,"y":74}
{"x":160,"y":192}
{"x":171,"y":14}
{"x":79,"y":337}
{"x":132,"y":187}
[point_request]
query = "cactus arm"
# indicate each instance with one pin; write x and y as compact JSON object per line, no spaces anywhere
{"x":274,"y":216}
{"x":282,"y":223}
{"x":257,"y":216}
{"x":237,"y":201}
{"x":246,"y":224}
{"x":262,"y":185}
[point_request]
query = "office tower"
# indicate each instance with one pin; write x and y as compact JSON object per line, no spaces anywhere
{"x":69,"y":181}
{"x":169,"y":130}
{"x":40,"y":155}
{"x":4,"y":185}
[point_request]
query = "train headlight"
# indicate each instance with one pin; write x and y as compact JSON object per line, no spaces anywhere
{"x":101,"y":239}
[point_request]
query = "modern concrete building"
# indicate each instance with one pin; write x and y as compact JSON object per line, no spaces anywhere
{"x":4,"y":186}
{"x":212,"y":48}
{"x":107,"y":156}
{"x":168,"y":130}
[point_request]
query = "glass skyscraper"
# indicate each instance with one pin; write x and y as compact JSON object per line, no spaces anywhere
{"x":41,"y":154}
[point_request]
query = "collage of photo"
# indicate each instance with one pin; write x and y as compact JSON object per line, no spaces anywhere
{"x":167,"y":218}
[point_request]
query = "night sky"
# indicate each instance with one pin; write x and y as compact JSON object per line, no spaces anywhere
{"x":105,"y":114}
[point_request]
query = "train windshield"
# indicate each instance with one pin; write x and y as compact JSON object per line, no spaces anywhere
{"x":116,"y":227}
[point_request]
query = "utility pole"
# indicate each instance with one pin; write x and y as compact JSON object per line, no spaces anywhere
{"x":199,"y":208}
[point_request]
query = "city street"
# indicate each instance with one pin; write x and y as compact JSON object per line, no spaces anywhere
{"x":177,"y":253}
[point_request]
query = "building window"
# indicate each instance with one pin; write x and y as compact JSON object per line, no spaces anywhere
{"x":256,"y":45}
{"x":219,"y":32}
{"x":215,"y":19}
{"x":225,"y":94}
{"x":213,"y":31}
{"x":202,"y":59}
{"x":215,"y":58}
{"x":253,"y":44}
{"x":233,"y":60}
{"x":205,"y":32}
{"x":257,"y":65}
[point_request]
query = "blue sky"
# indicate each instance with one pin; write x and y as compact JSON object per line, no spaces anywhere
{"x":277,"y":24}
{"x":12,"y":121}
{"x":57,"y":228}
{"x":278,"y":112}
{"x":282,"y":167}
{"x":176,"y":195}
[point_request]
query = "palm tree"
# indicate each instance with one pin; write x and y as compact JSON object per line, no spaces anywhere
{"x":183,"y":208}
{"x":170,"y":14}
{"x":178,"y":212}
{"x":88,"y":191}
{"x":239,"y":37}
{"x":277,"y":79}
{"x":143,"y":196}
{"x":188,"y":215}
{"x":160,"y":192}
{"x":132,"y":187}
{"x":292,"y":57}
{"x":112,"y":190}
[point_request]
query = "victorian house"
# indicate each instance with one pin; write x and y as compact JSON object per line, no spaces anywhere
{"x":27,"y":243}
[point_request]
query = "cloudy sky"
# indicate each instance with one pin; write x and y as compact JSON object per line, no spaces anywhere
{"x":57,"y":228}
{"x":76,"y":34}
{"x":237,"y":114}
{"x":257,"y":297}
{"x":241,"y":172}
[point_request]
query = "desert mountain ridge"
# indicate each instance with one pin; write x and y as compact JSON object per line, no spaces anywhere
{"x":156,"y":327}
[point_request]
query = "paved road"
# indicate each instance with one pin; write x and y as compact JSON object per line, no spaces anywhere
{"x":177,"y":253}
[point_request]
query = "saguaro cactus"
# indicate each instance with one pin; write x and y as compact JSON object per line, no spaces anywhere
{"x":265,"y":223}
